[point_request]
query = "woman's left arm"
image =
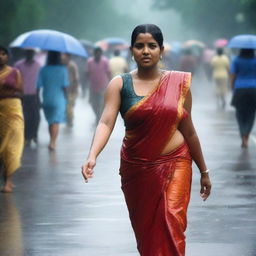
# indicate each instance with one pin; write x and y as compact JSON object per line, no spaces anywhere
{"x":186,"y":127}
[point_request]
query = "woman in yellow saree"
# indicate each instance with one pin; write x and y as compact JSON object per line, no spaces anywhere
{"x":11,"y":120}
{"x":158,"y":148}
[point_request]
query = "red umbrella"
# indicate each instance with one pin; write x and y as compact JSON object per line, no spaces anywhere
{"x":220,"y":43}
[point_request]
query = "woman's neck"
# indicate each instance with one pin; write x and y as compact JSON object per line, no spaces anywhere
{"x":149,"y":73}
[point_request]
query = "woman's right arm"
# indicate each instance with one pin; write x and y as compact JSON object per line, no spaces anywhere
{"x":105,"y":125}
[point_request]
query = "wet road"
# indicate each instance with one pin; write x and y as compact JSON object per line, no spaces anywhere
{"x":54,"y":213}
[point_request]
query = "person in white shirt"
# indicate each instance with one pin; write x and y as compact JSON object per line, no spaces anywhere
{"x":117,"y":64}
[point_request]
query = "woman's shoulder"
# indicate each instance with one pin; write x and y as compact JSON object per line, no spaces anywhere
{"x":116,"y":82}
{"x":12,"y":70}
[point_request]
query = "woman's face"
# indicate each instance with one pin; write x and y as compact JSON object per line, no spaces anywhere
{"x":146,"y":50}
{"x":3,"y":58}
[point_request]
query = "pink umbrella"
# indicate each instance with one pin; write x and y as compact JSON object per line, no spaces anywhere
{"x":220,"y":43}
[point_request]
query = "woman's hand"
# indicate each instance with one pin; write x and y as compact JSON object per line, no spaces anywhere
{"x":87,"y":169}
{"x":205,"y":186}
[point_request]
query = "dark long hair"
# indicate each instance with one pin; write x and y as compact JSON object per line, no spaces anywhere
{"x":152,"y":29}
{"x":247,"y":53}
{"x":53,"y":58}
{"x":5,"y":50}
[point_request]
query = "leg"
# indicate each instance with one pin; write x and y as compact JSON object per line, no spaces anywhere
{"x":54,"y":131}
{"x":27,"y":119}
{"x":36,"y":119}
{"x":70,"y":108}
{"x":249,"y":122}
{"x":8,"y":184}
{"x":178,"y":196}
{"x":96,"y":103}
{"x":242,"y":120}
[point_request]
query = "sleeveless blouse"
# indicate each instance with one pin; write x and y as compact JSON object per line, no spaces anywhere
{"x":128,"y":95}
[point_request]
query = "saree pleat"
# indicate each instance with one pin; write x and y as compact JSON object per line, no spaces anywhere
{"x":11,"y":123}
{"x":157,"y":187}
{"x":11,"y":134}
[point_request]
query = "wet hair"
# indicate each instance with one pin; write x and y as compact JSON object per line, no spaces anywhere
{"x":97,"y":49}
{"x":5,"y":50}
{"x":53,"y":58}
{"x":219,"y":51}
{"x":246,"y":53}
{"x":116,"y":52}
{"x":152,"y":29}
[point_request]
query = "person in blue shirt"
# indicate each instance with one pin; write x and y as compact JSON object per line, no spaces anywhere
{"x":243,"y":81}
{"x":53,"y":79}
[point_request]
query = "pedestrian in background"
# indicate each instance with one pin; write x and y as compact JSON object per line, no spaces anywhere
{"x":72,"y":90}
{"x":98,"y":74}
{"x":11,"y":120}
{"x":53,"y":80}
{"x":29,"y":69}
{"x":118,"y":65}
{"x":243,"y":82}
{"x":159,"y":145}
{"x":220,"y":74}
{"x":188,"y":61}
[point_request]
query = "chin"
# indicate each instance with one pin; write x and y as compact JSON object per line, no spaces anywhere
{"x":147,"y":65}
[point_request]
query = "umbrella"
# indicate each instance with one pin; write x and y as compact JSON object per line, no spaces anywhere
{"x":220,"y":43}
{"x":112,"y":42}
{"x":193,"y":43}
{"x":88,"y":45}
{"x":50,"y":40}
{"x":243,"y":42}
{"x":167,"y":47}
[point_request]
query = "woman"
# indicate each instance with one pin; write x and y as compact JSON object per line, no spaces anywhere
{"x":243,"y":82}
{"x":220,"y":75}
{"x":158,"y":147}
{"x":53,"y":78}
{"x":11,"y":120}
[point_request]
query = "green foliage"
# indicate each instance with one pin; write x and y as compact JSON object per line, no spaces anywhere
{"x":219,"y":18}
{"x":88,"y":19}
{"x":18,"y":16}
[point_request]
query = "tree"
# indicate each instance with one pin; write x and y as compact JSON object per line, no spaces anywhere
{"x":213,"y":19}
{"x":88,"y":19}
{"x":18,"y":16}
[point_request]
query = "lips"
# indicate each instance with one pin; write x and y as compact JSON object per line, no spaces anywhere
{"x":146,"y":59}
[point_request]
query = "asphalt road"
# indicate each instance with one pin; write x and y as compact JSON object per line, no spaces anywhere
{"x":54,"y":213}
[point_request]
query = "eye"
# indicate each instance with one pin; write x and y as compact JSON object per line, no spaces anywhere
{"x":152,"y":45}
{"x":138,"y":45}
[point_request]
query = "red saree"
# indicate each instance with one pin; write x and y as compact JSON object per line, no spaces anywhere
{"x":157,"y":187}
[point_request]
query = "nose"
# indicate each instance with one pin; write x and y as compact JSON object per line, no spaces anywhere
{"x":145,"y":50}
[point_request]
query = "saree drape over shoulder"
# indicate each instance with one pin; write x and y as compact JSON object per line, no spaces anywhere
{"x":11,"y":120}
{"x":156,"y":186}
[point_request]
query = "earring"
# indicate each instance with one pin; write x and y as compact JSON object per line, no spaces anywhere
{"x":132,"y":58}
{"x":161,"y":57}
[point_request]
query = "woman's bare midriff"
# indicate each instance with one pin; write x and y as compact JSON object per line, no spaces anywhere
{"x":176,"y":140}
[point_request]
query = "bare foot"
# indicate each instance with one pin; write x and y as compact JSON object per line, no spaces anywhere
{"x":7,"y":189}
{"x":244,"y":143}
{"x":51,"y":147}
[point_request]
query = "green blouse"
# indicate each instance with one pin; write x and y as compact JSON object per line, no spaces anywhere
{"x":128,"y":95}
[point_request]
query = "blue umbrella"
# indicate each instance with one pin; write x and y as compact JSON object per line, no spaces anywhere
{"x":243,"y":42}
{"x":115,"y":40}
{"x":50,"y":40}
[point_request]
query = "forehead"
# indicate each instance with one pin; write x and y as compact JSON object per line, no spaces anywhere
{"x":145,"y":37}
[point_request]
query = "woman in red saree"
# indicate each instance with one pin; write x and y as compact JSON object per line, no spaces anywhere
{"x":158,"y":148}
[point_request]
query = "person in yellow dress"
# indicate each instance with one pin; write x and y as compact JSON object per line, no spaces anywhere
{"x":220,"y":74}
{"x":11,"y":120}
